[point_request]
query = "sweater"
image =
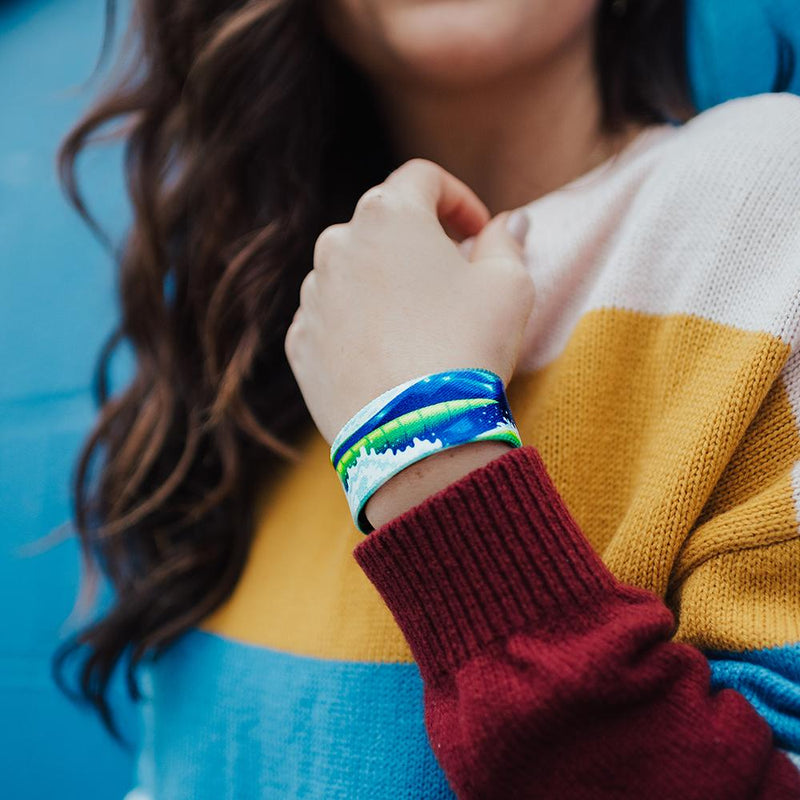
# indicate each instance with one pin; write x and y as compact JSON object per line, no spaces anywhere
{"x":611,"y":610}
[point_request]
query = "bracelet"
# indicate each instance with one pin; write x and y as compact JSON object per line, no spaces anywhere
{"x":416,"y":419}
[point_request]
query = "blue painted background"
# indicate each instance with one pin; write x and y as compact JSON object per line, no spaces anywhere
{"x":57,"y":304}
{"x":732,"y":46}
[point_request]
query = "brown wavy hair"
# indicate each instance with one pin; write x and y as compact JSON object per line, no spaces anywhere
{"x":245,"y":134}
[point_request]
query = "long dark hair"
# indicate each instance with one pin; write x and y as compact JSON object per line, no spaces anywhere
{"x":245,"y":134}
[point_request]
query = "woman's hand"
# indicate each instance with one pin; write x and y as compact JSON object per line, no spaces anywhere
{"x":391,"y":295}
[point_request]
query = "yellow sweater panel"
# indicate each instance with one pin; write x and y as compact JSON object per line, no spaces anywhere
{"x":672,"y":441}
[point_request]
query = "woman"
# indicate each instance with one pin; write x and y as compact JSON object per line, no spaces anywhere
{"x":609,"y":610}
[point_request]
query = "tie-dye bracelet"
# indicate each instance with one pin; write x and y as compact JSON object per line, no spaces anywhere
{"x":413,"y":420}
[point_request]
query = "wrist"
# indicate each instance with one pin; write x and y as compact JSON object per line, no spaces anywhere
{"x":431,"y":474}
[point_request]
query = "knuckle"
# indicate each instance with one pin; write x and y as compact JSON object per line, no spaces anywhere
{"x":414,"y":166}
{"x":373,"y":201}
{"x":327,"y":244}
{"x":306,"y":287}
{"x":289,"y":341}
{"x":420,"y":164}
{"x":378,"y":203}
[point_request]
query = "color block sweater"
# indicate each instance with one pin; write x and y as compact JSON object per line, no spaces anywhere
{"x":610,"y":611}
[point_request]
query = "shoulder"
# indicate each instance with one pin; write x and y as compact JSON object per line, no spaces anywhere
{"x":763,"y":119}
{"x":740,"y":151}
{"x":718,"y":215}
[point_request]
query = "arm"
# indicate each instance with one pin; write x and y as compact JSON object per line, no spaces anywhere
{"x":544,"y":675}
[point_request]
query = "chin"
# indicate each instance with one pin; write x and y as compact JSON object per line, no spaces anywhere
{"x":452,"y":42}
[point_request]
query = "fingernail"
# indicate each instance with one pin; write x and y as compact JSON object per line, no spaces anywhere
{"x":517,"y":225}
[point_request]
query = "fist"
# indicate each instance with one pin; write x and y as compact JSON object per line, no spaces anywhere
{"x":392,"y":296}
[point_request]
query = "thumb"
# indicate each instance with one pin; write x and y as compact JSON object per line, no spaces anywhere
{"x":503,"y":237}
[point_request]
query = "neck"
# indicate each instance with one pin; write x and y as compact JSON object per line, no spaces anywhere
{"x":511,"y":140}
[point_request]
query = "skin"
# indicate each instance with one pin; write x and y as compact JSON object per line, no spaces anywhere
{"x":501,"y":93}
{"x":495,"y":102}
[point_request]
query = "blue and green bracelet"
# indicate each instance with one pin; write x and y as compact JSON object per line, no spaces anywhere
{"x":414,"y":420}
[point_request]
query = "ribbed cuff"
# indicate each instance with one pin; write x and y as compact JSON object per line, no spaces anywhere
{"x":493,"y":553}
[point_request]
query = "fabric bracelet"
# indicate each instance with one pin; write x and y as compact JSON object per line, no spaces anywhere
{"x":416,"y":419}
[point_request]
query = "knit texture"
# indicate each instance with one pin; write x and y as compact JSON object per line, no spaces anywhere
{"x":637,"y":582}
{"x":544,"y":676}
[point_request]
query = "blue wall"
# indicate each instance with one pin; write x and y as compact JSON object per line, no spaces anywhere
{"x":56,"y":305}
{"x":732,"y":46}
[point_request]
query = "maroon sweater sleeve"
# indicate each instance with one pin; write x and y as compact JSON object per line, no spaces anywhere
{"x":544,"y":675}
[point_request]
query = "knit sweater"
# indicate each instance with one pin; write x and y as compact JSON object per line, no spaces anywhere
{"x":611,"y":610}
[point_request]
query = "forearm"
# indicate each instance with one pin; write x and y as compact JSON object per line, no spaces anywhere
{"x":426,"y":477}
{"x":544,"y":675}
